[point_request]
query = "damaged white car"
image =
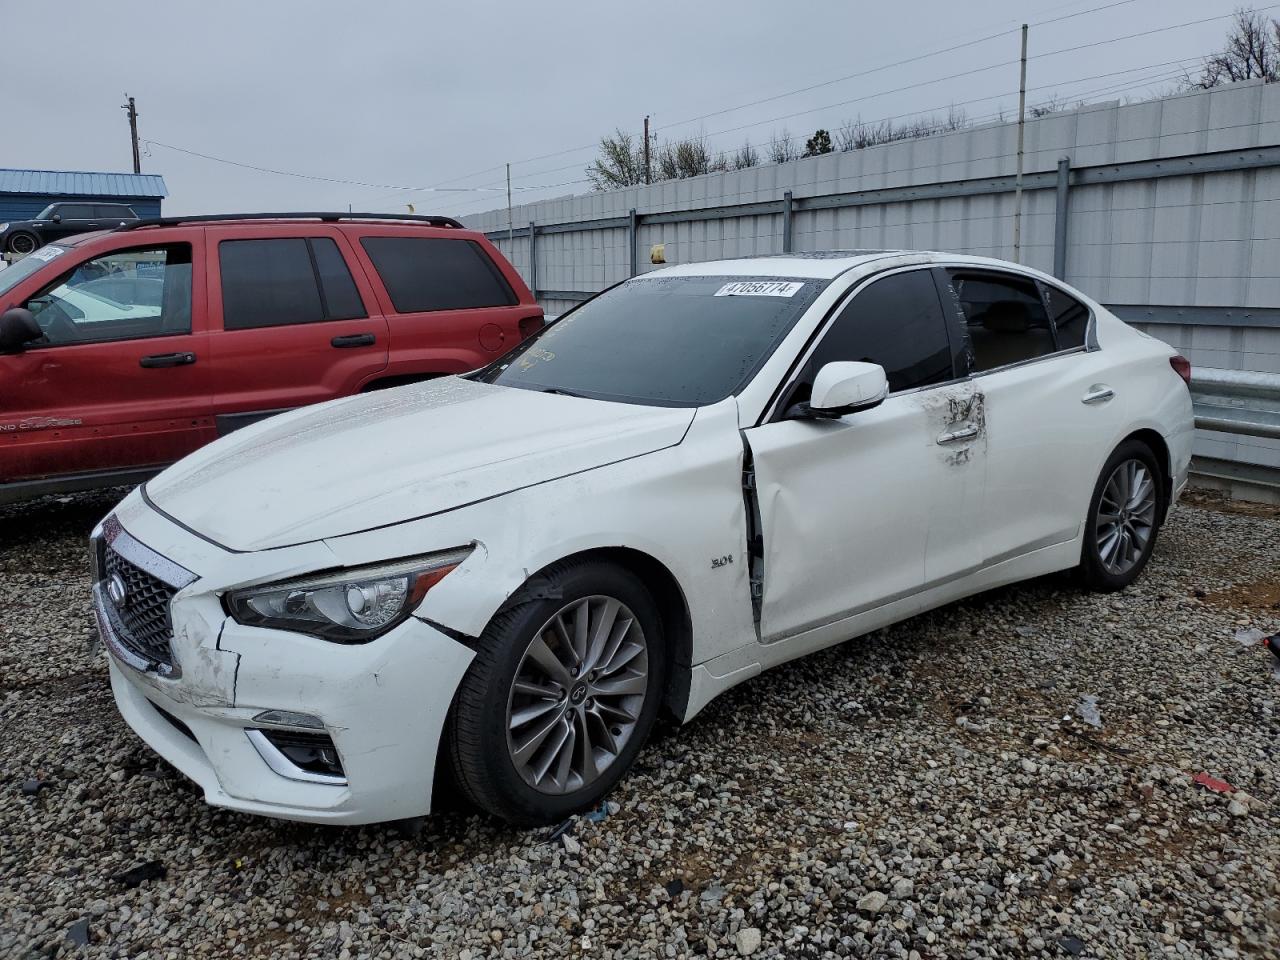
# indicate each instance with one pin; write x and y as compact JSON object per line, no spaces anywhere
{"x":705,"y":471}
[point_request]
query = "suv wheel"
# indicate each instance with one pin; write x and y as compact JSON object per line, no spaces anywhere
{"x":561,"y":696}
{"x":1124,"y":518}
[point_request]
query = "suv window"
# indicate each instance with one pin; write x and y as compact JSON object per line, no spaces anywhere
{"x":75,"y":211}
{"x":428,"y":273}
{"x":1070,"y":317}
{"x":896,"y":322}
{"x":1004,"y":316}
{"x":122,"y":295}
{"x":279,"y":282}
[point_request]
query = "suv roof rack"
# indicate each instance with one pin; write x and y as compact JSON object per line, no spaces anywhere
{"x":324,"y":217}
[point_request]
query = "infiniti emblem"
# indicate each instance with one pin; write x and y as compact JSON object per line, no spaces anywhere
{"x":117,"y":590}
{"x":578,"y":694}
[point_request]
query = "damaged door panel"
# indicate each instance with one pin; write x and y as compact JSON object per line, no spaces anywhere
{"x":850,"y":508}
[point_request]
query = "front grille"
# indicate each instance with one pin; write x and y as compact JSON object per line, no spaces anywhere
{"x":145,"y":626}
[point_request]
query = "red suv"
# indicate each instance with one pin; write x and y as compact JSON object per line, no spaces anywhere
{"x":122,"y":351}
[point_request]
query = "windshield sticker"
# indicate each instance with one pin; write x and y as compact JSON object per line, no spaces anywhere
{"x":760,"y":288}
{"x":45,"y":254}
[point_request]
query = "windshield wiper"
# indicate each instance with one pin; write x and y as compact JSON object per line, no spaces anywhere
{"x":563,"y":393}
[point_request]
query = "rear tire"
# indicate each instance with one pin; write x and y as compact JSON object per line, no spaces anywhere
{"x":1125,"y":514}
{"x":563,"y":692}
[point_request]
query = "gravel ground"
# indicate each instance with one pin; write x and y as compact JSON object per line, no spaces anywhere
{"x":934,"y":790}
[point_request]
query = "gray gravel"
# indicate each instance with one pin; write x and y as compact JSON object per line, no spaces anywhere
{"x":936,"y":790}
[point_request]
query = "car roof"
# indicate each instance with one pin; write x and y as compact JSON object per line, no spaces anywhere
{"x":823,"y":264}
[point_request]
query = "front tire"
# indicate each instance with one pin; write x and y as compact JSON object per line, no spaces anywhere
{"x":23,"y":243}
{"x":563,"y":692}
{"x":1124,"y":518}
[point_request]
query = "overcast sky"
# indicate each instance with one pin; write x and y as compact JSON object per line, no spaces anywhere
{"x":398,"y":94}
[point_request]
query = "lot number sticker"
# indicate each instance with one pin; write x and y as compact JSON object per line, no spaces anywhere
{"x":760,"y":288}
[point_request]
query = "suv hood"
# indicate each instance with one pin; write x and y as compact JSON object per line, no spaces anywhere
{"x":396,"y":455}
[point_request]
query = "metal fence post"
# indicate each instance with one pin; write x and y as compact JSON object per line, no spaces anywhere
{"x":1060,"y":219}
{"x":633,"y":237}
{"x":786,"y":221}
{"x":533,"y":261}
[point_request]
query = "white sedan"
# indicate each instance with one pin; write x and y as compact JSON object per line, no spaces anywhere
{"x":703,"y":472}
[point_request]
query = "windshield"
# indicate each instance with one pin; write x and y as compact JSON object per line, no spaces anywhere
{"x":665,"y":341}
{"x":14,"y":274}
{"x":47,"y":212}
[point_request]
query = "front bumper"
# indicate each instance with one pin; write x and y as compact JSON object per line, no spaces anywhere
{"x":383,"y":704}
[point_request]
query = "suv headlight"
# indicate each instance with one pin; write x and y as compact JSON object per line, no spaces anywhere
{"x":346,"y":606}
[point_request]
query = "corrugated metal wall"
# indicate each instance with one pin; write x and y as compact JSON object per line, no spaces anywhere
{"x":1193,"y":259}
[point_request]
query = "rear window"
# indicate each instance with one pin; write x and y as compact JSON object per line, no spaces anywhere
{"x":1070,"y":317}
{"x":423,"y":274}
{"x":280,"y":282}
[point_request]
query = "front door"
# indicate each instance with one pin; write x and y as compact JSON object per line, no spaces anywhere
{"x":877,"y":505}
{"x":119,"y":380}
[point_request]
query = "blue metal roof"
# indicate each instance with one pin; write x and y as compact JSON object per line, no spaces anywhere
{"x":78,"y":183}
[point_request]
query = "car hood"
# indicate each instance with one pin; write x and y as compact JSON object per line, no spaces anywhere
{"x":396,"y":455}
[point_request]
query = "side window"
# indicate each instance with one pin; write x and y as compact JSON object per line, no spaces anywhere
{"x":280,"y":282}
{"x":427,"y":273}
{"x":1070,"y":317}
{"x":75,"y":211}
{"x":111,"y":211}
{"x":896,"y":322}
{"x":1005,"y":318}
{"x":122,"y":295}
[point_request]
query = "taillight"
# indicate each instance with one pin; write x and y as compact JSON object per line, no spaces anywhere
{"x":1182,"y":367}
{"x":530,"y":325}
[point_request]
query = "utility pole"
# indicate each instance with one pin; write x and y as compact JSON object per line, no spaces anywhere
{"x":648,"y":176}
{"x":510,"y":232}
{"x":133,"y":131}
{"x":1022,"y":123}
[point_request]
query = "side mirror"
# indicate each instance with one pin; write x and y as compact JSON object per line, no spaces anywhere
{"x":845,"y":386}
{"x":18,"y":327}
{"x":57,"y":218}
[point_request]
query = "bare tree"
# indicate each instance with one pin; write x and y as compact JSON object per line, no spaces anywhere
{"x":782,"y":148}
{"x":1252,"y":51}
{"x":686,"y":158}
{"x":745,"y":156}
{"x":620,"y":164}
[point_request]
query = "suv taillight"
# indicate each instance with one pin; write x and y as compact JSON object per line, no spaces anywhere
{"x":530,"y":325}
{"x":1182,"y":367}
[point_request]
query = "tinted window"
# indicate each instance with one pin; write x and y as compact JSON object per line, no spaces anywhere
{"x":673,"y":341}
{"x":1070,"y":317}
{"x":424,"y":273}
{"x":896,"y":322}
{"x":113,"y":211}
{"x":1005,"y":318}
{"x":341,"y":300}
{"x":267,"y":283}
{"x":123,"y":295}
{"x":75,"y":211}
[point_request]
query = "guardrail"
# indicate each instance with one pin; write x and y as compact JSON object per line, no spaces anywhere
{"x":1236,"y":401}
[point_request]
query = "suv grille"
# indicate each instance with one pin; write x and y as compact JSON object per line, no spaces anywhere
{"x":144,"y":621}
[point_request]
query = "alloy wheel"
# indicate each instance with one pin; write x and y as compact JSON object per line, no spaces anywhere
{"x":1126,"y":516}
{"x":22,"y":243}
{"x":577,"y":695}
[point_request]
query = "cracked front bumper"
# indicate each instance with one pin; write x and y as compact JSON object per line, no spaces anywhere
{"x":382,"y":703}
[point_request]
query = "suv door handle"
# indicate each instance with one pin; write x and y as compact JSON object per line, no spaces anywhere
{"x":354,"y":340}
{"x":964,"y":432}
{"x":167,"y":360}
{"x":1098,"y":393}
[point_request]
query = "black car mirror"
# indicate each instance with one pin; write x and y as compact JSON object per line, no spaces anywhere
{"x":57,"y":218}
{"x":18,"y":327}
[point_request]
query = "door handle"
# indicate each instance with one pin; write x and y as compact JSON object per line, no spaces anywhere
{"x":964,"y":432}
{"x":1098,"y":393}
{"x":168,"y":359}
{"x":354,"y":340}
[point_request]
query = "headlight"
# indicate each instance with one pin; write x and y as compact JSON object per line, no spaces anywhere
{"x":346,"y":606}
{"x":3,"y":227}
